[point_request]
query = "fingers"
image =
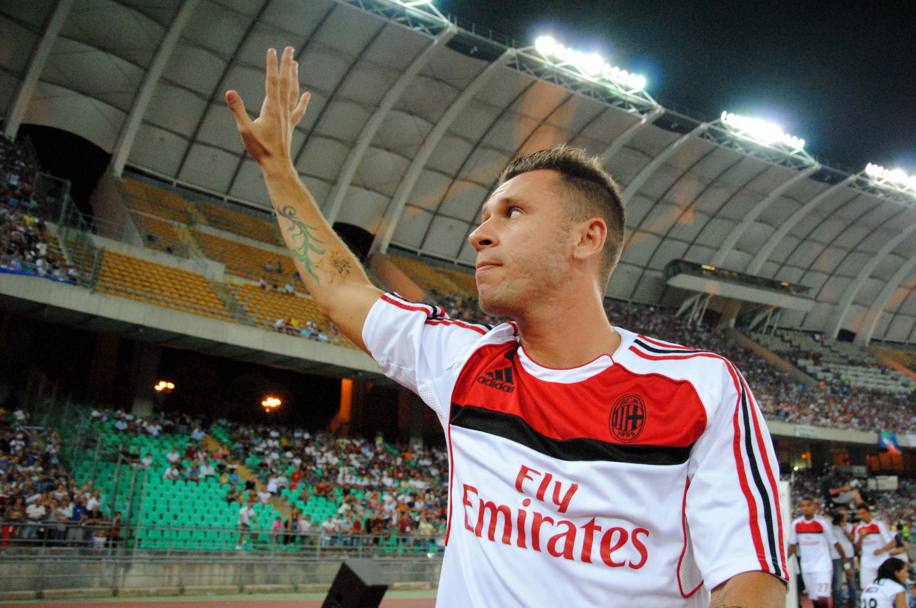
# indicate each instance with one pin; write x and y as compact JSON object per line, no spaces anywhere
{"x":299,"y":111}
{"x":294,"y":85}
{"x":284,"y":82}
{"x":237,"y":107}
{"x":270,"y":75}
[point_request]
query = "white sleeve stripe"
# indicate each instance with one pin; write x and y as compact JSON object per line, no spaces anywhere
{"x":755,"y":461}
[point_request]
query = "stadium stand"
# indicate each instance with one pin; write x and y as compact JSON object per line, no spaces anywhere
{"x":837,"y":363}
{"x":299,"y":314}
{"x":159,"y":234}
{"x":250,"y":262}
{"x":165,"y":286}
{"x":27,"y":245}
{"x":240,"y":223}
{"x":154,"y":200}
{"x":429,"y":278}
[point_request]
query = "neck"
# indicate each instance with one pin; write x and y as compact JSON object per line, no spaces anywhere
{"x":809,"y":517}
{"x":566,"y":335}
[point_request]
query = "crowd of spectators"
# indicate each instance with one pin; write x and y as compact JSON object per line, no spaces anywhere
{"x":381,"y":488}
{"x":25,"y":242}
{"x":40,"y":502}
{"x":309,"y":329}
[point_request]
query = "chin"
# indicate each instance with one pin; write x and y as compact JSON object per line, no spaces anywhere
{"x":492,"y":305}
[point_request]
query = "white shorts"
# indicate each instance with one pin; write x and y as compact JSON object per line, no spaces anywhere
{"x":818,"y":584}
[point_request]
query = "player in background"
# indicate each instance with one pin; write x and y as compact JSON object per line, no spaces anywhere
{"x":873,"y":541}
{"x":844,"y":580}
{"x":812,"y":538}
{"x":887,"y":590}
{"x":569,"y":519}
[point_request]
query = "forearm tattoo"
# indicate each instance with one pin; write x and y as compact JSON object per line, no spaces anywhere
{"x":304,"y":242}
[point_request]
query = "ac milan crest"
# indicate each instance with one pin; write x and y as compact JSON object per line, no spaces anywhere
{"x":628,"y":418}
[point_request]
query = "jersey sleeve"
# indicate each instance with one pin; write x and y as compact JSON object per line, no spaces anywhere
{"x":793,"y":538}
{"x":886,"y":535}
{"x":733,"y":508}
{"x":417,"y":345}
{"x":828,"y":533}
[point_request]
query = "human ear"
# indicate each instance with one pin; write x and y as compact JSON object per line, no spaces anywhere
{"x":592,"y":234}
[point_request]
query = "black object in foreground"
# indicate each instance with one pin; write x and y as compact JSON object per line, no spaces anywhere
{"x":358,"y":584}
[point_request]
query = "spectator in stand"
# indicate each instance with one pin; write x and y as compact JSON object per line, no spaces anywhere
{"x":246,"y":521}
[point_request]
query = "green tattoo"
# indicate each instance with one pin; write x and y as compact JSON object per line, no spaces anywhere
{"x":304,"y":240}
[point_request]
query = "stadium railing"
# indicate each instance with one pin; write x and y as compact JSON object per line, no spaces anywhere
{"x":60,"y":539}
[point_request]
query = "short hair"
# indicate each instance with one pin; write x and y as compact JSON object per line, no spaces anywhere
{"x":594,"y":192}
{"x":808,"y":498}
{"x":863,"y":507}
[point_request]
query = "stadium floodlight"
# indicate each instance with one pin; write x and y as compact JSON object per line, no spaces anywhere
{"x":164,"y":386}
{"x":761,"y":131}
{"x":414,"y":3}
{"x":590,"y":65}
{"x":271,"y":403}
{"x":894,"y":178}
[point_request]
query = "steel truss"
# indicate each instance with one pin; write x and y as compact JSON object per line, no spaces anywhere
{"x":416,"y":16}
{"x":775,"y":154}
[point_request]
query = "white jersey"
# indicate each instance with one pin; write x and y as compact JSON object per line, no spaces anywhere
{"x":642,"y":478}
{"x":815,"y":539}
{"x":839,"y":532}
{"x":882,"y":594}
{"x":874,"y":535}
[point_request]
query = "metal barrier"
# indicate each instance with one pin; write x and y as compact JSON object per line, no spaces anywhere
{"x":126,"y":540}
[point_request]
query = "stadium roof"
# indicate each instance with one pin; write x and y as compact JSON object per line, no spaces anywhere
{"x":411,"y":120}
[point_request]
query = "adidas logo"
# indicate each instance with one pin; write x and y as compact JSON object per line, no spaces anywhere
{"x":500,"y":379}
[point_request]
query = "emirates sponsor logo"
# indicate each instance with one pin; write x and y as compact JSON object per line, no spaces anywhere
{"x":500,"y":379}
{"x":525,"y":526}
{"x":628,"y":418}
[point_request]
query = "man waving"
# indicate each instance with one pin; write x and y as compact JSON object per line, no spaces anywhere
{"x":588,"y":465}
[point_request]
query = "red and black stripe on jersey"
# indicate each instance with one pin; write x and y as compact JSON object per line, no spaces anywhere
{"x":435,"y":315}
{"x":572,"y":421}
{"x":656,"y":350}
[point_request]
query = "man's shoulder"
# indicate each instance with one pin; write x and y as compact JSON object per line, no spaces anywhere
{"x":649,"y":355}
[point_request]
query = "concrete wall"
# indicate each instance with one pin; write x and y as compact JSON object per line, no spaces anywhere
{"x":81,"y":300}
{"x":177,"y":574}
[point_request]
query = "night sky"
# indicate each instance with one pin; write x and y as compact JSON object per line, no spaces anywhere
{"x":841,"y":75}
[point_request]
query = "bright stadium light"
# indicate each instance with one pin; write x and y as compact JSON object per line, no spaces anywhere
{"x":164,"y":386}
{"x":271,"y":403}
{"x":414,"y":3}
{"x":896,"y":178}
{"x":762,"y":131}
{"x":591,"y":65}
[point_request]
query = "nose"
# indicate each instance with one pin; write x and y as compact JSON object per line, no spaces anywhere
{"x":481,"y":237}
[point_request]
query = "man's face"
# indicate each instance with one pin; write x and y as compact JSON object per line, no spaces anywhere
{"x":523,"y":243}
{"x":864,"y":515}
{"x":807,"y":508}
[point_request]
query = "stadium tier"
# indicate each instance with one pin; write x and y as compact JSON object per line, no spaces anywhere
{"x":144,"y":281}
{"x":159,"y":234}
{"x":254,"y":263}
{"x":154,"y":200}
{"x":430,"y":278}
{"x":242,"y":224}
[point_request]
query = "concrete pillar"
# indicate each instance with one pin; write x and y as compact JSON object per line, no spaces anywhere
{"x":341,"y":422}
{"x":411,"y":417}
{"x":102,"y":369}
{"x":144,"y":371}
{"x":729,"y":311}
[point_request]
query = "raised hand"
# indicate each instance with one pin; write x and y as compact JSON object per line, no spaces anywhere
{"x":267,"y":138}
